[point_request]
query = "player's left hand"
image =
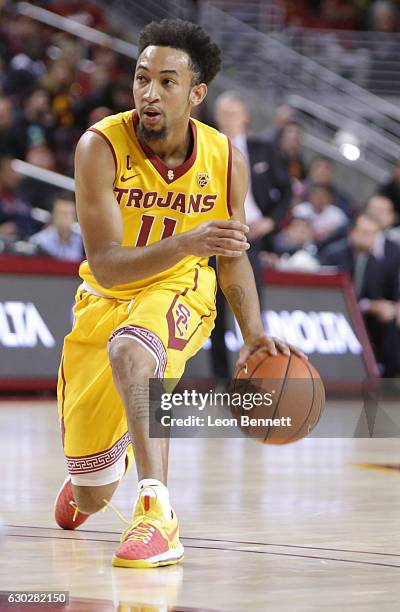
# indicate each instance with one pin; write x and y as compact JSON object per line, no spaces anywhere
{"x":270,"y":345}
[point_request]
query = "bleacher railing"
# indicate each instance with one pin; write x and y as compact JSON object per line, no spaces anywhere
{"x":77,"y":29}
{"x":370,"y":59}
{"x":276,"y":73}
{"x":41,"y":174}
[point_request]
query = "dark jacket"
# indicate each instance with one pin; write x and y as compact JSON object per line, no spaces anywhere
{"x":381,"y":278}
{"x":270,"y":180}
{"x":391,"y":190}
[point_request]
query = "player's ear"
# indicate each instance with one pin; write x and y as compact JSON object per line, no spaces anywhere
{"x":197,"y":94}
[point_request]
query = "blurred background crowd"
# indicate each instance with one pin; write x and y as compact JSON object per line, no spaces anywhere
{"x":380,"y":16}
{"x":301,"y":213}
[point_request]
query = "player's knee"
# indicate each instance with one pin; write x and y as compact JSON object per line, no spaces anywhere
{"x":128,"y":357}
{"x":92,"y":499}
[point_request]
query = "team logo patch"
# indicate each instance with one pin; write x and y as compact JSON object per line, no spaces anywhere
{"x":182,"y":316}
{"x":203,"y":178}
{"x":171,"y":175}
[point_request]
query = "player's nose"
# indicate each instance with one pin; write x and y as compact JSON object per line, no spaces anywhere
{"x":151,"y":93}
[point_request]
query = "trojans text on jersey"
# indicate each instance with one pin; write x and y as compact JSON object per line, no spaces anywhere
{"x":182,"y":202}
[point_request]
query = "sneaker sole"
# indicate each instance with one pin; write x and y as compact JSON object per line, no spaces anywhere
{"x":119,"y":562}
{"x":141,"y":563}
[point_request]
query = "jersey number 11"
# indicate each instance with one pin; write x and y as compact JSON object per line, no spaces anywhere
{"x":147,"y":224}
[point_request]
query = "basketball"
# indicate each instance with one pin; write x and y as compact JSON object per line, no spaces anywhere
{"x":285,"y":398}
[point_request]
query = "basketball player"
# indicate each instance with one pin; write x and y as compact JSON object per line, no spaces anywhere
{"x":157,"y":194}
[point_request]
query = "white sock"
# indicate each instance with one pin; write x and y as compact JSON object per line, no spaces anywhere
{"x":160,"y":491}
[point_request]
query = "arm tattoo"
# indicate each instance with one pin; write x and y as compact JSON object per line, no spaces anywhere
{"x":138,"y":401}
{"x":235,"y":296}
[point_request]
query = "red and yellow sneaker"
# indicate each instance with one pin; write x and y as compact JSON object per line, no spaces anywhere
{"x":66,"y":511}
{"x":151,"y":540}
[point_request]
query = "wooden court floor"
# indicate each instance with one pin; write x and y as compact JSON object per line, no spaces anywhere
{"x":299,"y":528}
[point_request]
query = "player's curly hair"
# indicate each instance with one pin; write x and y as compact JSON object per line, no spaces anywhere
{"x":205,"y":55}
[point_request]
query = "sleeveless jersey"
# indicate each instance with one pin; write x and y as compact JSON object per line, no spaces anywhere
{"x":157,"y":201}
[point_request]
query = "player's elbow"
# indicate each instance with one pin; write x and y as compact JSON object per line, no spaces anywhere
{"x":103,"y":278}
{"x":100,"y":272}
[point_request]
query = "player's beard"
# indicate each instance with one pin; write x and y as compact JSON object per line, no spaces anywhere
{"x":150,"y":135}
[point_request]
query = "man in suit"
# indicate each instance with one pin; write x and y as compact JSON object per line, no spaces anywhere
{"x":270,"y":189}
{"x":382,"y":209}
{"x":376,"y":283}
{"x":267,"y":199}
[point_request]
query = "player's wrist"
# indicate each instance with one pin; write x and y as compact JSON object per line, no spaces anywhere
{"x":251,"y":336}
{"x":182,"y":245}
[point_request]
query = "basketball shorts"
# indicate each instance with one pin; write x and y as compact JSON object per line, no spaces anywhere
{"x":171,"y":320}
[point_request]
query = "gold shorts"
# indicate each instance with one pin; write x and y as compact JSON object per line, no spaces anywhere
{"x":172,"y":320}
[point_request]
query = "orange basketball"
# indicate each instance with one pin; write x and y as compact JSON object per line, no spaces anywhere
{"x":290,"y":398}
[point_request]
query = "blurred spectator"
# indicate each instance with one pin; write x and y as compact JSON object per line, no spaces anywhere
{"x":384,"y":16}
{"x":269,"y":192}
{"x":26,"y":43}
{"x":10,"y":141}
{"x":59,"y":82}
{"x":327,"y":220}
{"x":335,"y":15}
{"x":67,"y":48}
{"x":324,"y":14}
{"x":376,"y":283}
{"x":322,"y":171}
{"x":282,"y":116}
{"x":267,"y":199}
{"x":289,"y":140}
{"x":391,"y":189}
{"x":42,"y":156}
{"x":37,"y":122}
{"x":381,"y":208}
{"x":16,"y":220}
{"x":39,"y":193}
{"x":384,"y":19}
{"x":61,"y":239}
{"x":121,"y":97}
{"x":103,"y":84}
{"x":109,"y":59}
{"x":296,"y":236}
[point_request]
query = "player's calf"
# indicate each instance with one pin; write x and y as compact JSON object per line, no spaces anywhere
{"x":91,"y":499}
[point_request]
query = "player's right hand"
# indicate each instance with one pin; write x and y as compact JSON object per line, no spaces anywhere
{"x":223,"y":238}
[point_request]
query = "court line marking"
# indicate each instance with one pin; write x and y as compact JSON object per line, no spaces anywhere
{"x":225,"y":549}
{"x":302,"y":546}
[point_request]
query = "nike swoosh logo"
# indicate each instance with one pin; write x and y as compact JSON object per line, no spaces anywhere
{"x":171,"y":535}
{"x":128,"y":178}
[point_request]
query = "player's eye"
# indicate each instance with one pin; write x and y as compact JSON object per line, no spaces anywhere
{"x":168,"y":82}
{"x":140,"y":77}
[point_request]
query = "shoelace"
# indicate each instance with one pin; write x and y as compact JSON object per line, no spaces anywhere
{"x":140,"y":533}
{"x":107,"y":505}
{"x":73,"y":505}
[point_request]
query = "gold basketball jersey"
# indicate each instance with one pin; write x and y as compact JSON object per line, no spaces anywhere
{"x":157,"y":201}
